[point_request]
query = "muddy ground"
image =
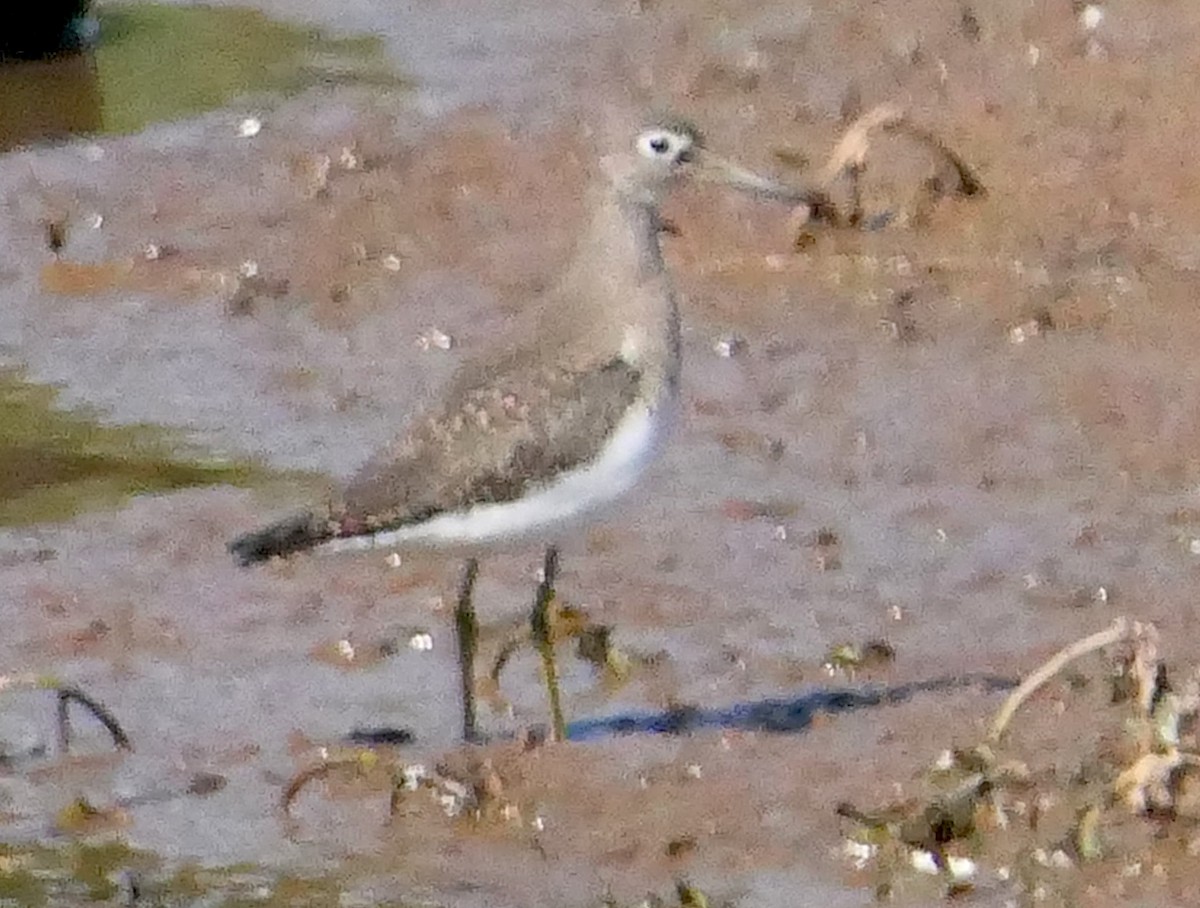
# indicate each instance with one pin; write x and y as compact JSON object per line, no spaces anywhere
{"x":971,"y":431}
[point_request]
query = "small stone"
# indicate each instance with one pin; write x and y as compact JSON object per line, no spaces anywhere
{"x":391,"y":262}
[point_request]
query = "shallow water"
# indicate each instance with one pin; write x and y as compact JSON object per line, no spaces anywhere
{"x":883,"y":457}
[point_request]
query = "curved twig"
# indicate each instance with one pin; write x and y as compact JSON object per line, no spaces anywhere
{"x":69,"y":692}
{"x":65,"y":694}
{"x":299,"y":780}
{"x":1121,"y":629}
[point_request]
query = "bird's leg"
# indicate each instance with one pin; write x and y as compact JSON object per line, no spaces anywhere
{"x":543,"y":638}
{"x":467,"y":628}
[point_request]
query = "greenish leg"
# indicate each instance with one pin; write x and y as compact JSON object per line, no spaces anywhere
{"x":543,"y":639}
{"x":467,"y":628}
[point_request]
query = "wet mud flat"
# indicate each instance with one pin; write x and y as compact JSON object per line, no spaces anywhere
{"x":969,"y":432}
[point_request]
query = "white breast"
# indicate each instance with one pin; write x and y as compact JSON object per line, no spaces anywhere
{"x":612,"y":474}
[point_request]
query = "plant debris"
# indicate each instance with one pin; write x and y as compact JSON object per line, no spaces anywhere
{"x":1133,"y":796}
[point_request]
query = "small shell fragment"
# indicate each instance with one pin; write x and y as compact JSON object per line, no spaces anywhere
{"x":729,"y":347}
{"x":1018,"y":334}
{"x":435,"y":339}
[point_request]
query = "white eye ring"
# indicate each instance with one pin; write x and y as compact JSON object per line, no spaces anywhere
{"x":657,"y":144}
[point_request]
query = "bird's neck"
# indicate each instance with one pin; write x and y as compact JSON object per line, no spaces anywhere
{"x":619,"y":271}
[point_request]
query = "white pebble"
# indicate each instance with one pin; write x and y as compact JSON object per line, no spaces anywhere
{"x":249,"y":127}
{"x":435,"y":339}
{"x":858,"y":853}
{"x":391,"y":262}
{"x":1091,"y":16}
{"x":393,"y":560}
{"x":924,"y":861}
{"x":728,"y":347}
{"x":421,"y":643}
{"x":960,"y":868}
{"x":248,"y":268}
{"x":1061,"y":860}
{"x":414,"y":775}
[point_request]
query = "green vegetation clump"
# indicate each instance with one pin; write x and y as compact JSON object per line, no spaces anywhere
{"x":55,"y":463}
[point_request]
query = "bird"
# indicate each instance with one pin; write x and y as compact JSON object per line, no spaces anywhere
{"x":552,"y":427}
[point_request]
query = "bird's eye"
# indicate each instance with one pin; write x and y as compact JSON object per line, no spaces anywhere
{"x":657,"y":144}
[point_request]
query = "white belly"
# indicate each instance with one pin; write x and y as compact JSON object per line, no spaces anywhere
{"x":612,"y":474}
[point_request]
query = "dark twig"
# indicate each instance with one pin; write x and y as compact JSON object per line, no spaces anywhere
{"x":69,"y":692}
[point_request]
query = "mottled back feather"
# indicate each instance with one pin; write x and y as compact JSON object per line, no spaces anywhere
{"x":494,"y":444}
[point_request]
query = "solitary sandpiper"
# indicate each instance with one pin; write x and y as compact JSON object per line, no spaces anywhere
{"x":550,"y":428}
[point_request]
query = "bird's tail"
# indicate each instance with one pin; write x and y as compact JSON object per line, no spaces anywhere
{"x":288,"y":536}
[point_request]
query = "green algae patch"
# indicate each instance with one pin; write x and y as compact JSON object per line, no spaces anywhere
{"x":153,"y":62}
{"x":159,"y":62}
{"x":112,"y":873}
{"x":55,"y":463}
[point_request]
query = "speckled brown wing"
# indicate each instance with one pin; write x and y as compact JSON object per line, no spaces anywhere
{"x":492,"y":443}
